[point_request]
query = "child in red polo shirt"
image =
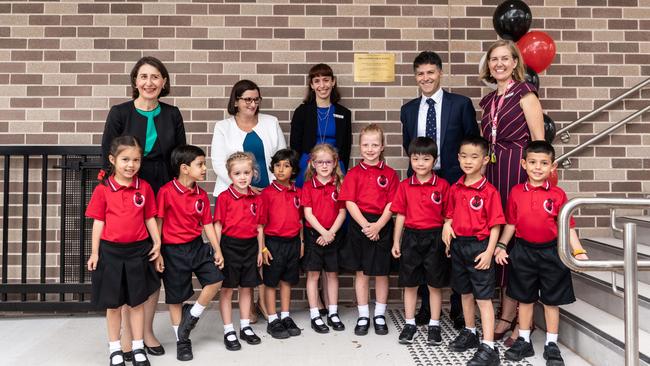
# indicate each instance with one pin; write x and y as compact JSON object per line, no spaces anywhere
{"x":419,"y":205}
{"x":241,"y":237}
{"x":324,"y":216}
{"x":473,"y":218}
{"x":125,"y":241}
{"x":282,"y":220}
{"x":536,"y":271}
{"x":368,"y":190}
{"x":183,"y":214}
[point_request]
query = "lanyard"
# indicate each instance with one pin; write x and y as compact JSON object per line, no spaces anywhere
{"x":494,"y":117}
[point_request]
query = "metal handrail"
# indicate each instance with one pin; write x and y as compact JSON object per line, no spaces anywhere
{"x":630,"y":264}
{"x":563,"y":131}
{"x":564,"y":158}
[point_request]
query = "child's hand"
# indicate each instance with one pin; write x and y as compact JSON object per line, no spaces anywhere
{"x":581,"y":257}
{"x":159,"y":264}
{"x":92,"y":262}
{"x":321,"y":241}
{"x":259,"y":259}
{"x":372,"y":231}
{"x":447,"y":234}
{"x":395,"y":251}
{"x":302,"y":249}
{"x":154,"y":253}
{"x":218,"y":259}
{"x":484,"y":261}
{"x":329,"y":237}
{"x":501,"y":256}
{"x":266,"y":254}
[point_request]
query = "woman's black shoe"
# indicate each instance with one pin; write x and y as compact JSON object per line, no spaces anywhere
{"x":319,"y":328}
{"x":250,"y":339}
{"x":381,"y":329}
{"x":336,"y":323}
{"x":116,"y":353}
{"x":140,"y":351}
{"x":155,"y":351}
{"x":362,"y":330}
{"x":231,"y":345}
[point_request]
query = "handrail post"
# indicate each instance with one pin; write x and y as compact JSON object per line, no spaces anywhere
{"x":631,"y":299}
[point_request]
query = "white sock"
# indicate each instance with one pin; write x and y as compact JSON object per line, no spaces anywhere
{"x":364,"y":312}
{"x":175,"y":327}
{"x":489,"y":343}
{"x":314,"y":313}
{"x":284,"y":314}
{"x":138,"y":344}
{"x":380,"y":309}
{"x":243,"y":323}
{"x":197,"y":310}
{"x":333,"y":309}
{"x":229,"y":328}
{"x":473,"y":330}
{"x":433,"y":322}
{"x":273,"y":317}
{"x":410,"y":321}
{"x":525,"y":334}
{"x":550,"y":337}
{"x":114,"y":347}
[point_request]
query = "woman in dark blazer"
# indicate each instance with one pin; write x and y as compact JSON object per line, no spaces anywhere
{"x":320,"y":119}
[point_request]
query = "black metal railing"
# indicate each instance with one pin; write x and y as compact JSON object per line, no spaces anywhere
{"x":75,"y":168}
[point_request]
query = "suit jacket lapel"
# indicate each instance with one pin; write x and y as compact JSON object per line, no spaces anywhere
{"x":414,"y":112}
{"x":444,"y":116}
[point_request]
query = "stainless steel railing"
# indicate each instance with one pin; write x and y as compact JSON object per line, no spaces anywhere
{"x":630,"y":264}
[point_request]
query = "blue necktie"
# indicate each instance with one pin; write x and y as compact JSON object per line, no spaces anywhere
{"x":431,"y":120}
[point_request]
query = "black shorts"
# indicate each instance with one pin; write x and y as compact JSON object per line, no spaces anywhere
{"x":423,"y":260}
{"x":362,"y":254}
{"x":537,"y":273}
{"x":181,"y":260}
{"x":317,"y":257}
{"x":124,"y":275}
{"x":466,"y":279}
{"x":240,"y":262}
{"x":285,"y":265}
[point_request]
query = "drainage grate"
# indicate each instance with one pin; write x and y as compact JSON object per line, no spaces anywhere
{"x":426,"y":355}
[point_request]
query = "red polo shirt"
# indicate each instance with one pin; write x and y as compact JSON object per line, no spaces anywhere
{"x":123,"y":209}
{"x":474,"y":209}
{"x":184,"y":212}
{"x":421,"y":203}
{"x":281,"y":213}
{"x":534,"y":210}
{"x":371,"y":187}
{"x":323,"y":200}
{"x":238,"y":213}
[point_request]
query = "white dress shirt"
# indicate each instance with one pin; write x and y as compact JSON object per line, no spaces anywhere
{"x":422,"y":119}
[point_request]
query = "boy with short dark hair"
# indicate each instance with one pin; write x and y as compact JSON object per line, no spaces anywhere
{"x":536,"y":271}
{"x":419,"y":205}
{"x":183,"y":214}
{"x":473,"y":220}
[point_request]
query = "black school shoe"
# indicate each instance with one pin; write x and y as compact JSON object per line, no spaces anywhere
{"x":485,"y":356}
{"x":552,"y":355}
{"x":231,"y":345}
{"x":408,"y":334}
{"x":184,"y":350}
{"x":116,"y":353}
{"x":319,"y":328}
{"x":362,"y":330}
{"x":155,"y":351}
{"x":252,"y":339}
{"x":291,"y":326}
{"x":380,"y":329}
{"x":464,"y":341}
{"x":519,"y":350}
{"x":335,"y":322}
{"x":188,"y":322}
{"x":277,"y":330}
{"x":433,"y":335}
{"x":128,"y":356}
{"x":140,"y":363}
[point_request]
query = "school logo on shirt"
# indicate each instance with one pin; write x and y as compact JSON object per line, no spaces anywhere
{"x":476,"y":203}
{"x":198,"y":205}
{"x":549,"y":206}
{"x":254,"y":208}
{"x":138,"y":199}
{"x":296,"y":201}
{"x":335,"y":196}
{"x":382,"y":181}
{"x":436,"y":197}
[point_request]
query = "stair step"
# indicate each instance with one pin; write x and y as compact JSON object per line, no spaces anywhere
{"x":642,"y":229}
{"x":612,"y":248}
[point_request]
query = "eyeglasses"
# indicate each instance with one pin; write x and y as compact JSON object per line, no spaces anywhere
{"x":323,"y":162}
{"x":249,"y":100}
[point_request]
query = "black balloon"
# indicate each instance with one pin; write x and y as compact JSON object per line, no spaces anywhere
{"x":549,"y":129}
{"x":532,"y":77}
{"x":512,"y":19}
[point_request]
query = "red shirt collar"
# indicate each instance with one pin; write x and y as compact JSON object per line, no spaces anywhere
{"x":115,"y":186}
{"x":280,"y":187}
{"x":432,"y":181}
{"x":529,"y":187}
{"x":478,"y":185}
{"x":182,"y":189}
{"x":380,"y":165}
{"x":316,"y":183}
{"x":236,"y":195}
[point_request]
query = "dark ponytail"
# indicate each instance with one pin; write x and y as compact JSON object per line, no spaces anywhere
{"x":117,"y":146}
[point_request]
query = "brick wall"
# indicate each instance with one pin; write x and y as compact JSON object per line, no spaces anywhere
{"x":63,"y":64}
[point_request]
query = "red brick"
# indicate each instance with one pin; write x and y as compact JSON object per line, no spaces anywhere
{"x":13,"y":43}
{"x":42,"y":90}
{"x":59,"y":55}
{"x":622,"y":2}
{"x":321,"y":10}
{"x":25,"y":102}
{"x":130,"y":56}
{"x":141,"y":20}
{"x":282,"y":33}
{"x":384,"y":10}
{"x":257,"y":56}
{"x":12,"y":139}
{"x":142,"y":44}
{"x":199,"y":9}
{"x":159,"y":32}
{"x":272,"y":69}
{"x":637,"y":36}
{"x":93,"y":32}
{"x":58,"y":103}
{"x":369,"y":22}
{"x":623,"y":24}
{"x":175,"y":20}
{"x":60,"y":32}
{"x":238,"y":44}
{"x":44,"y":19}
{"x":26,"y":79}
{"x":92,"y":79}
{"x":289,"y":9}
{"x":256,"y":33}
{"x":385,"y":34}
{"x":75,"y":115}
{"x":240,"y":21}
{"x":353,"y":33}
{"x":324,"y":57}
{"x":77,"y":20}
{"x":27,"y":8}
{"x":618,"y":47}
{"x":575,"y":12}
{"x":338,"y":22}
{"x":222,"y":9}
{"x":220,"y":56}
{"x":304,"y":45}
{"x":93,"y":8}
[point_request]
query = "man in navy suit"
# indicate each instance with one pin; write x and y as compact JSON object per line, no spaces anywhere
{"x":447,"y":118}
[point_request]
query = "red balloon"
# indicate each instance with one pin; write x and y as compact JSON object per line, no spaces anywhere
{"x":538,"y":49}
{"x":553,"y":177}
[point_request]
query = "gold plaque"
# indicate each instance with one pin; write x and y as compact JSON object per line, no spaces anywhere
{"x":374,"y":67}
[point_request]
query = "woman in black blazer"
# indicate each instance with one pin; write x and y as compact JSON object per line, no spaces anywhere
{"x":320,"y":119}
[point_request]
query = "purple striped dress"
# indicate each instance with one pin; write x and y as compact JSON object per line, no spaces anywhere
{"x":511,"y":139}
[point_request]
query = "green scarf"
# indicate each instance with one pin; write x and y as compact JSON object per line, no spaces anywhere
{"x":152,"y":134}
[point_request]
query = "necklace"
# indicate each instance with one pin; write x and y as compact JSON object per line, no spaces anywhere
{"x":323,"y":119}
